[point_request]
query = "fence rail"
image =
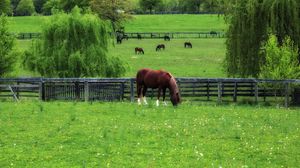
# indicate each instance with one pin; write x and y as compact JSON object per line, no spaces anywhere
{"x":147,"y":35}
{"x":124,"y":89}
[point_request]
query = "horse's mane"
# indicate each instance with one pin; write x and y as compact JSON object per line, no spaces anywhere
{"x":173,"y":83}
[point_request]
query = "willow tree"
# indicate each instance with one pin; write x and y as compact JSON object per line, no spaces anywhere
{"x":250,"y":22}
{"x":7,"y":53}
{"x":73,"y":45}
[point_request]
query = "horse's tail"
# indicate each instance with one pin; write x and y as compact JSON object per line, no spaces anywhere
{"x":142,"y":51}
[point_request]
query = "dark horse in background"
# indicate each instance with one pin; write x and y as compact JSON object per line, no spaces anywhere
{"x":148,"y":78}
{"x":139,"y":50}
{"x":166,"y":38}
{"x":160,"y":46}
{"x":188,"y":45}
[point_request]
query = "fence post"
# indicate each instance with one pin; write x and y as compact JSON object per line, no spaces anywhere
{"x":18,"y":90}
{"x":42,"y":91}
{"x":77,"y":91}
{"x":220,"y":92}
{"x":86,"y":91}
{"x":235,"y":92}
{"x":256,"y":92}
{"x":132,"y":90}
{"x":207,"y":91}
{"x":287,"y":88}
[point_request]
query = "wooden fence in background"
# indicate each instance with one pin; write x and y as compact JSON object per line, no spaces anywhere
{"x":147,"y":35}
{"x":124,"y":89}
{"x":157,"y":35}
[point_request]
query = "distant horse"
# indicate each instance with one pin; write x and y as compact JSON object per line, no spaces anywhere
{"x":139,"y":37}
{"x":213,"y":33}
{"x":147,"y":78}
{"x":188,"y":45}
{"x":160,"y":46}
{"x":119,"y":39}
{"x":139,"y":50}
{"x":166,"y":38}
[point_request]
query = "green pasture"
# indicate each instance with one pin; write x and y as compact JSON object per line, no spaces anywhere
{"x":138,"y":23}
{"x":175,"y":23}
{"x":203,"y":60}
{"x":58,"y":134}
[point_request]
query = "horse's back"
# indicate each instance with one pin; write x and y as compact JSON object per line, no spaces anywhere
{"x":152,"y":78}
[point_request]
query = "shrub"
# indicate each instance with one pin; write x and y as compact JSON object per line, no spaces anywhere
{"x":281,"y":62}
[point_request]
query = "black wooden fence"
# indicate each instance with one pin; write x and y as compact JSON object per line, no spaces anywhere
{"x":155,"y":35}
{"x":124,"y":89}
{"x":147,"y":35}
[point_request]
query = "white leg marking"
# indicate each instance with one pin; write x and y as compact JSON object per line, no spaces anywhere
{"x":157,"y":103}
{"x":139,"y":101}
{"x":145,"y":101}
{"x":165,"y":103}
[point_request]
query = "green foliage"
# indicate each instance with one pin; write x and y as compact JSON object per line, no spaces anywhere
{"x":14,"y":5}
{"x":73,"y":45}
{"x":7,"y":54}
{"x":38,"y":4}
{"x":150,"y":4}
{"x":25,"y":8}
{"x":116,"y":11}
{"x":248,"y":25}
{"x":51,"y":5}
{"x":281,"y":61}
{"x":60,"y":134}
{"x":68,"y":5}
{"x":5,"y":7}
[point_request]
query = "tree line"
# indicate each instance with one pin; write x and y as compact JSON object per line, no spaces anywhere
{"x":45,"y":7}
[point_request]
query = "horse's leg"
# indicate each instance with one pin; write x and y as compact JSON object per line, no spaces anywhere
{"x":139,"y":92}
{"x":164,"y":96}
{"x":144,"y":95}
{"x":158,"y":96}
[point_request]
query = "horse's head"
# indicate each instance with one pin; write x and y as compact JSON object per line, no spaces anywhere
{"x":174,"y":91}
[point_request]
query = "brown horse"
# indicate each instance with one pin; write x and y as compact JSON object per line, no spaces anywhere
{"x":147,"y":78}
{"x":160,"y":46}
{"x":138,"y":50}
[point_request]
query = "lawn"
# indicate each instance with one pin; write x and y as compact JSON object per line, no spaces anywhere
{"x":59,"y":134}
{"x":139,"y":23}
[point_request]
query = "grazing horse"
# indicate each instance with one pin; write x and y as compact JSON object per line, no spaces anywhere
{"x":160,"y":46}
{"x":138,"y":50}
{"x":166,"y":38}
{"x":188,"y":45}
{"x":119,"y":39}
{"x":213,"y":33}
{"x":139,"y":37}
{"x":147,"y":78}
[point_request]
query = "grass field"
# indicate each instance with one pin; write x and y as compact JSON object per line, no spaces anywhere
{"x":139,"y":23}
{"x":203,"y":60}
{"x":36,"y":134}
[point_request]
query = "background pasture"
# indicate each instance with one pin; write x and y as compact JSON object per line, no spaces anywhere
{"x":139,"y":23}
{"x":36,"y":134}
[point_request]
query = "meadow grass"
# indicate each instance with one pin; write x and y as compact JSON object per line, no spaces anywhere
{"x":138,"y":23}
{"x":203,"y":60}
{"x":60,"y":134}
{"x":175,"y":23}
